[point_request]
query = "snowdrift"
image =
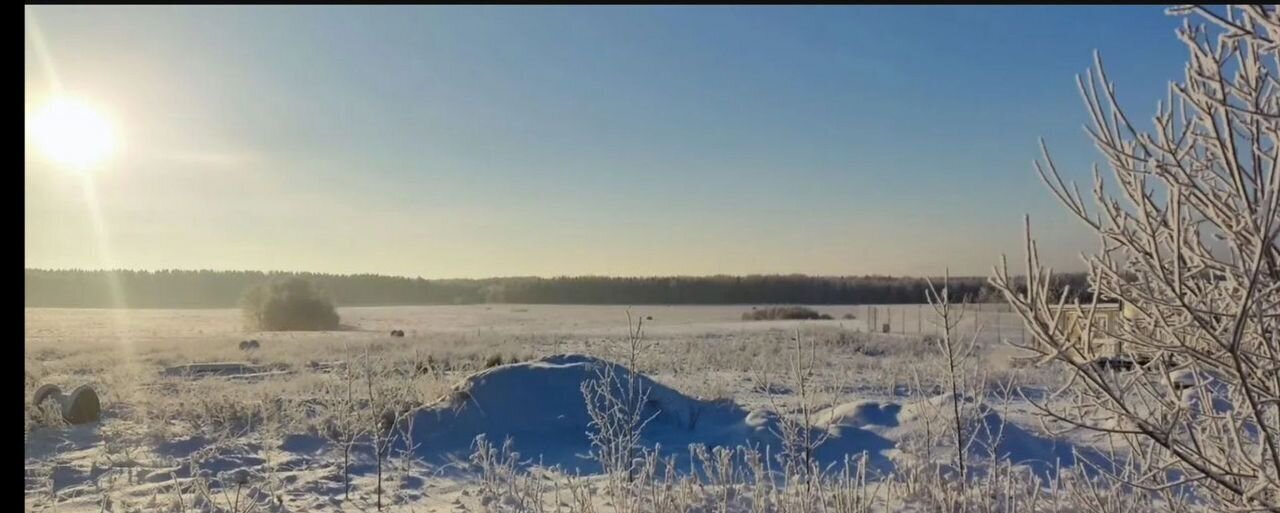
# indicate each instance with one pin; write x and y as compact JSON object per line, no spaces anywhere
{"x":540,"y":406}
{"x":916,"y":421}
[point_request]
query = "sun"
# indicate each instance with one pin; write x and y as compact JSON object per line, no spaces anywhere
{"x":72,"y":133}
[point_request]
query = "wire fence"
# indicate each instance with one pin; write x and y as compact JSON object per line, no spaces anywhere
{"x":993,"y":321}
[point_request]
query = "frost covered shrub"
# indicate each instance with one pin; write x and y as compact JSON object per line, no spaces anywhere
{"x":288,"y":304}
{"x":1188,"y":228}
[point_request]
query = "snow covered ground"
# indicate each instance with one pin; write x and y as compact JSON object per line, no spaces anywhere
{"x":305,"y":435}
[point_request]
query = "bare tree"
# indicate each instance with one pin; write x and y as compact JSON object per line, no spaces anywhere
{"x":616,"y":405}
{"x":800,"y":441}
{"x":956,"y":351}
{"x":388,"y":396}
{"x":1188,"y":247}
{"x":345,"y":425}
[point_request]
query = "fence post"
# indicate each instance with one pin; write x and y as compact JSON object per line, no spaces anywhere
{"x":999,"y":337}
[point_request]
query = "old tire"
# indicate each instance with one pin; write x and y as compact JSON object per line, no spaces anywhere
{"x":45,"y":392}
{"x":82,"y":406}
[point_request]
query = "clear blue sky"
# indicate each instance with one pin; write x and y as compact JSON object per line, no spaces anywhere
{"x":478,"y":141}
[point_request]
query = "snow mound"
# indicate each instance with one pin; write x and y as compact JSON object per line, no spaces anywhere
{"x":539,"y":405}
{"x":859,"y":414}
{"x":913,"y":423}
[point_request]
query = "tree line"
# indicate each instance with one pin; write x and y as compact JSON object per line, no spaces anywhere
{"x":75,"y":288}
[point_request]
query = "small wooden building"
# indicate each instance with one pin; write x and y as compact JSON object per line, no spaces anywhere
{"x":1074,"y":324}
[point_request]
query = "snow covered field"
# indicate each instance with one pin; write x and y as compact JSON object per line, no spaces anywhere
{"x":727,"y":417}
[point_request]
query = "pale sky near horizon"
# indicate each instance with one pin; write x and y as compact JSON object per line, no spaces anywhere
{"x":623,"y":140}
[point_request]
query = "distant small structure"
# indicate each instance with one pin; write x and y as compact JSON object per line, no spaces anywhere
{"x":648,"y":318}
{"x":1090,"y":326}
{"x":1075,"y":322}
{"x":249,"y":345}
{"x":397,"y":333}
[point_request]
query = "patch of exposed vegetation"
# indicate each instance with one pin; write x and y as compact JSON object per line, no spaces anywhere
{"x":288,"y":304}
{"x":775,"y":313}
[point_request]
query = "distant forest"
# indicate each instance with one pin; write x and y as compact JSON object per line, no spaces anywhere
{"x":223,"y":289}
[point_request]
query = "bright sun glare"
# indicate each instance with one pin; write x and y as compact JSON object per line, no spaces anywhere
{"x":72,"y":134}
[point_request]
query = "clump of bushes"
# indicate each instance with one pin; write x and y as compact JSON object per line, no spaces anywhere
{"x":783,"y":313}
{"x":288,"y":304}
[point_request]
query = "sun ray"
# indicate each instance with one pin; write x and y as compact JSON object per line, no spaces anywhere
{"x":42,"y":51}
{"x":95,"y":132}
